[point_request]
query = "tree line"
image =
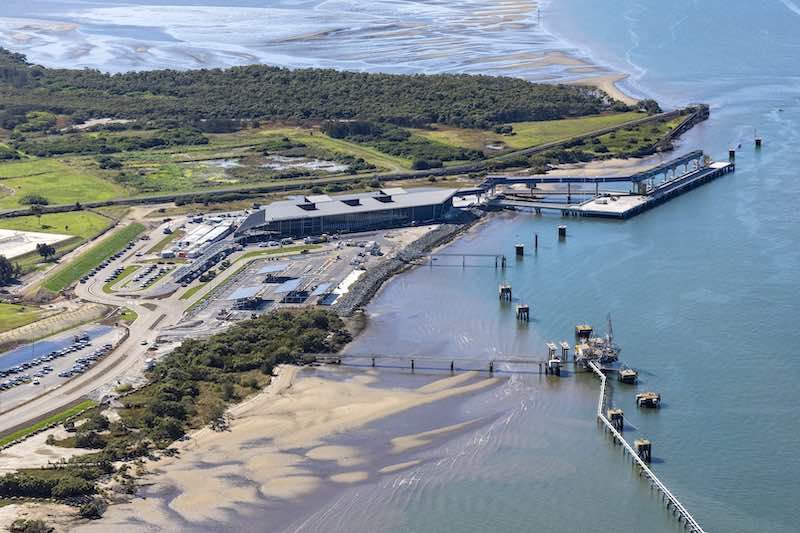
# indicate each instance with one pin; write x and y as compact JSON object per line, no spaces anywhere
{"x":265,"y":92}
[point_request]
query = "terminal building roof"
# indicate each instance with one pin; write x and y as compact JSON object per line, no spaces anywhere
{"x":322,"y":205}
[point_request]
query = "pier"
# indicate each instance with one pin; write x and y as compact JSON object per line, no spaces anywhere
{"x":433,"y":363}
{"x":641,"y":456}
{"x":648,"y":189}
{"x":500,"y":260}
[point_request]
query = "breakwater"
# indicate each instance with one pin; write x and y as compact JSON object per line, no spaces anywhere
{"x":367,"y":285}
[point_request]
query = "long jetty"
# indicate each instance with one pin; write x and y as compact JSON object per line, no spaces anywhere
{"x":670,"y":500}
{"x":432,"y":363}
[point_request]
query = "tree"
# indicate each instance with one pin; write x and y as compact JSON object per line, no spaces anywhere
{"x":45,"y":250}
{"x":8,"y":271}
{"x":37,"y":211}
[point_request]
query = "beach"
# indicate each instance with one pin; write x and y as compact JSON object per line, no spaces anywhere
{"x":277,"y":453}
{"x":507,"y":38}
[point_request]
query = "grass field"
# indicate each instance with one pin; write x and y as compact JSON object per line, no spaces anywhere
{"x":628,"y":140}
{"x":128,"y":315}
{"x":53,"y":419}
{"x":77,"y":268}
{"x":527,"y":134}
{"x":191,"y":291}
{"x":58,"y":182}
{"x":127,"y":271}
{"x":14,"y":316}
{"x":84,"y":224}
{"x":163,"y":243}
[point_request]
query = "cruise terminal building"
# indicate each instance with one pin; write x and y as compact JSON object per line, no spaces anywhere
{"x":303,"y":216}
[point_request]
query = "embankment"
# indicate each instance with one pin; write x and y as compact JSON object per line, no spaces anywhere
{"x":368,"y":285}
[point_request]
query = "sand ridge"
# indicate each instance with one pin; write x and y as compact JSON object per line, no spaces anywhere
{"x":276,"y":451}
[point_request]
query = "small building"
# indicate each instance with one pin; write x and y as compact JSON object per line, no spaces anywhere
{"x":246,"y":298}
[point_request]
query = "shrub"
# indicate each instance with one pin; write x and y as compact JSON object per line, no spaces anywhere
{"x":93,"y":509}
{"x":72,"y":486}
{"x":34,"y":199}
{"x":21,"y":525}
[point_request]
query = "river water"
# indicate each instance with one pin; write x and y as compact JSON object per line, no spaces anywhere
{"x":703,"y":291}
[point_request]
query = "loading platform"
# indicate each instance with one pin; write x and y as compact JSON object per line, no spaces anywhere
{"x":648,"y":191}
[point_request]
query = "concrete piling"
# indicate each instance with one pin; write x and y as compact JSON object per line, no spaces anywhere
{"x":505,"y":292}
{"x":519,"y":250}
{"x":643,"y":449}
{"x":616,"y":417}
{"x":562,"y":232}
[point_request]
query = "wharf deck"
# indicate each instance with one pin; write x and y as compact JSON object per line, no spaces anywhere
{"x":626,"y":205}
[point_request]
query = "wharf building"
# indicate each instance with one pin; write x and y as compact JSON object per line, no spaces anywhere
{"x":303,"y":216}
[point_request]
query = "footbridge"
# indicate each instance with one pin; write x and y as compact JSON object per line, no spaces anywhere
{"x":511,"y":364}
{"x":669,"y":499}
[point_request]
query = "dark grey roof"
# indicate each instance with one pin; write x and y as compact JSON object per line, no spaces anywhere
{"x":346,"y":204}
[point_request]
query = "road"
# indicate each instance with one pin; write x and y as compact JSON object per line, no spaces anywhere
{"x":129,"y":355}
{"x":157,"y":316}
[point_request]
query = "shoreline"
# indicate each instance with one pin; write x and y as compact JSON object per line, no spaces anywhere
{"x":284,"y":450}
{"x":608,"y":84}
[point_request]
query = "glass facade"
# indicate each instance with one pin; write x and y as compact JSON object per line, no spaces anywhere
{"x":355,"y":222}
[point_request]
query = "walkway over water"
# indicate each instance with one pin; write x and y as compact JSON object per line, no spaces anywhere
{"x":670,"y":500}
{"x":524,"y":365}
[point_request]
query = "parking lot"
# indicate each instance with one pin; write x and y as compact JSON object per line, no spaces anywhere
{"x":50,"y":364}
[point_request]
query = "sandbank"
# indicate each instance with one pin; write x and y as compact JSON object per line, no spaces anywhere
{"x":278,"y":451}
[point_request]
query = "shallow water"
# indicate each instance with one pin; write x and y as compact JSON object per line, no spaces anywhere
{"x":703,"y":289}
{"x":502,"y":37}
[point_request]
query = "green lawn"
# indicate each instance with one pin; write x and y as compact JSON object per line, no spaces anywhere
{"x":128,"y":315}
{"x":127,"y":271}
{"x":14,"y":316}
{"x":53,"y":419}
{"x":163,"y":243}
{"x":630,"y":140}
{"x":191,"y":291}
{"x":527,"y":134}
{"x":320,"y":140}
{"x":78,"y":267}
{"x":58,"y":182}
{"x":84,"y":224}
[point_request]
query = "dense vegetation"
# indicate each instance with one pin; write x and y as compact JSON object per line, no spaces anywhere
{"x":393,"y":140}
{"x":258,"y":91}
{"x":78,"y":143}
{"x":189,"y":388}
